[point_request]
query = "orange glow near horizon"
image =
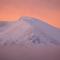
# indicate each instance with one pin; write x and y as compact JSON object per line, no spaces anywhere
{"x":45,"y":10}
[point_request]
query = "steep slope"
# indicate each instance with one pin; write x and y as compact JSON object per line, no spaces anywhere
{"x":29,"y":31}
{"x":43,"y":32}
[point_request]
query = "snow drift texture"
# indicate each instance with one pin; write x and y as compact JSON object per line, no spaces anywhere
{"x":28,"y":32}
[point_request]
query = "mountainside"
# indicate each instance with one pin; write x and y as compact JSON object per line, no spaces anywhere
{"x":29,"y":31}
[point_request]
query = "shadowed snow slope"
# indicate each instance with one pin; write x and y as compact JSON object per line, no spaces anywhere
{"x":29,"y":31}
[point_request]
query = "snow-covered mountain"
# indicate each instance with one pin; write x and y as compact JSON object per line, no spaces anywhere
{"x":28,"y":31}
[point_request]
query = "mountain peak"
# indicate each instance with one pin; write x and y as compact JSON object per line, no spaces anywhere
{"x":35,"y":20}
{"x":27,"y":18}
{"x":30,"y":20}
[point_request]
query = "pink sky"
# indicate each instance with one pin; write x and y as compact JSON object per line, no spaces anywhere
{"x":47,"y":10}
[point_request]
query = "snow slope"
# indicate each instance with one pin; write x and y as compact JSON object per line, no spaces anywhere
{"x":28,"y":31}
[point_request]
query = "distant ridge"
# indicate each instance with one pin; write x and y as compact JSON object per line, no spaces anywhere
{"x":3,"y":23}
